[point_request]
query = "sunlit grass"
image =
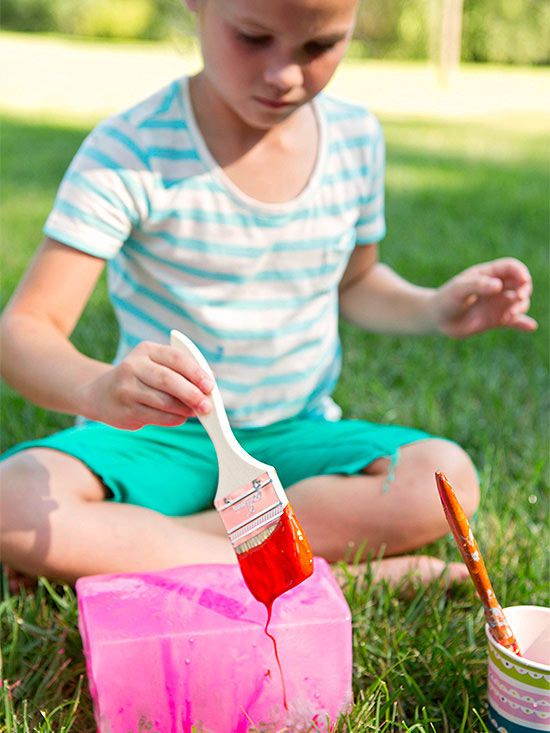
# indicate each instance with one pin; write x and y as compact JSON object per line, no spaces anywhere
{"x":458,"y":193}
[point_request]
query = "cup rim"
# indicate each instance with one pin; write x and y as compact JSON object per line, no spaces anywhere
{"x":510,"y":655}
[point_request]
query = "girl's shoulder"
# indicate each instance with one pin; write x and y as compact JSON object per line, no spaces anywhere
{"x":155,"y":132}
{"x":160,"y":114}
{"x":160,"y":110}
{"x":339,"y":111}
{"x":351,"y":128}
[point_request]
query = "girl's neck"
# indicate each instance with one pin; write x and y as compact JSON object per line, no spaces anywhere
{"x":227,"y":135}
{"x":270,"y":166}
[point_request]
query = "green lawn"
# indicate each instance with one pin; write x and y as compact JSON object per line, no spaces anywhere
{"x":458,"y":193}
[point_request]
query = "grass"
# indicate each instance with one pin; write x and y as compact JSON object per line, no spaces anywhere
{"x":458,"y":193}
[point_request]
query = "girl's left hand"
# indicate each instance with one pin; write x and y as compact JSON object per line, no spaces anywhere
{"x":489,"y":295}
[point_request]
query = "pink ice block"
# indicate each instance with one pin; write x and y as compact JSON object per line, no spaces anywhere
{"x":186,"y":647}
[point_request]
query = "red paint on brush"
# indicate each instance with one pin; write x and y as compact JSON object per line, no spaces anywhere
{"x":280,"y":563}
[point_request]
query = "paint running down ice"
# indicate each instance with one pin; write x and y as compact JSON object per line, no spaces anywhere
{"x":187,"y":647}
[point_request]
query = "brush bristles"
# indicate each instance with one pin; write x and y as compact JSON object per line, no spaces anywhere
{"x":255,"y":541}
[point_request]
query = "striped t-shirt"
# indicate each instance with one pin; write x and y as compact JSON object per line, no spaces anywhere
{"x":254,"y":285}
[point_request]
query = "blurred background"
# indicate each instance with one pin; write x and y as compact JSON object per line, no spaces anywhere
{"x":497,"y":31}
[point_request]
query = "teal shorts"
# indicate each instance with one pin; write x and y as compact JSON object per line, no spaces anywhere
{"x":174,"y":470}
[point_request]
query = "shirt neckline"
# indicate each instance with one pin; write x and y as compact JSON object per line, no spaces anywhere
{"x":243,"y":198}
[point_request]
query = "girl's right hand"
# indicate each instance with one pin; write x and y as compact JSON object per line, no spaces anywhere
{"x":153,"y":385}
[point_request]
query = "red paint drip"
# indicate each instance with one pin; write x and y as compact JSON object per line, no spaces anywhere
{"x":274,"y":640}
{"x":280,"y":563}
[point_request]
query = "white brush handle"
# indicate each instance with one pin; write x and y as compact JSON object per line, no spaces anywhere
{"x":236,"y":466}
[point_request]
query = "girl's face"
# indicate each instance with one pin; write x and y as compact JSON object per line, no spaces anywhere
{"x":266,"y":58}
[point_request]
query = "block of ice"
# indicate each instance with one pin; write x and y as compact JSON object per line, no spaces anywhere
{"x":184,"y":651}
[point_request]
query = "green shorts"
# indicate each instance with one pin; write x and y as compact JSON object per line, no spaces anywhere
{"x":174,"y":470}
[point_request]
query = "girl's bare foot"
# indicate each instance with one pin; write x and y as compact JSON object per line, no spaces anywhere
{"x":406,"y":571}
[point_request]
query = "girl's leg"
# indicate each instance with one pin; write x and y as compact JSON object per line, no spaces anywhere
{"x":387,"y":514}
{"x":384,"y":514}
{"x":54,"y":522}
{"x":396,"y":513}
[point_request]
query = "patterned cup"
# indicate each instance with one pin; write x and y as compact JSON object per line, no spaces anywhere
{"x":519,"y":687}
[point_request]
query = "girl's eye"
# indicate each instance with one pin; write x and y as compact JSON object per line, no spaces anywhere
{"x":253,"y":40}
{"x":314,"y":48}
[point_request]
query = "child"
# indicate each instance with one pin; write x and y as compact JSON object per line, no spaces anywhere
{"x":243,"y":208}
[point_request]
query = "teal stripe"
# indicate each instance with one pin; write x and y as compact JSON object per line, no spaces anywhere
{"x":374,"y":175}
{"x":257,"y":220}
{"x":191,"y":299}
{"x":350,"y":143}
{"x":128,"y":143}
{"x":102,"y":158}
{"x":231,"y":250}
{"x":84,"y":184}
{"x":141,"y":315}
{"x":193,"y":182}
{"x":65,"y":207}
{"x":171,"y":95}
{"x":108,"y":162}
{"x":288,"y":378}
{"x":101,"y":252}
{"x":263,"y":407}
{"x":163,"y":124}
{"x":327,"y":385}
{"x":188,"y":296}
{"x":348,"y":174}
{"x":163,"y":108}
{"x":369,"y":220}
{"x":207,"y":247}
{"x":268,"y":276}
{"x":220,"y":333}
{"x":332,"y":105}
{"x":217,"y":357}
{"x":173,"y":153}
{"x":348,"y":113}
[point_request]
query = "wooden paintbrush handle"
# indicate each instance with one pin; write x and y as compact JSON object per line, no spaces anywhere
{"x":236,"y":466}
{"x":215,"y":423}
{"x":471,"y":555}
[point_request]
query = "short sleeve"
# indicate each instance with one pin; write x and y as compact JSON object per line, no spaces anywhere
{"x":103,"y":194}
{"x":371,"y":225}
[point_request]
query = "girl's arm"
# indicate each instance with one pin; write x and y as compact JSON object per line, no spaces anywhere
{"x":153,"y":384}
{"x":488,"y":295}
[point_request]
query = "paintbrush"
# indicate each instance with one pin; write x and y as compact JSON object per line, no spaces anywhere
{"x":272,"y":550}
{"x":498,"y":625}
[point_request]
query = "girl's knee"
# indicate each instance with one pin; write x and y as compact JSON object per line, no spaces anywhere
{"x":429,"y":456}
{"x":37,"y":473}
{"x":24,"y":485}
{"x":457,"y":465}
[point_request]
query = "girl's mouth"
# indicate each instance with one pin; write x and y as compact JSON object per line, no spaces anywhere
{"x":271,"y":103}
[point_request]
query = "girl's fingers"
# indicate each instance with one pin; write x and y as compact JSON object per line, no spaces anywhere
{"x":145,"y":415}
{"x":175,"y":386}
{"x":475,"y":284}
{"x":162,"y":401}
{"x":513,"y":273}
{"x":522,"y":322}
{"x":183,"y":364}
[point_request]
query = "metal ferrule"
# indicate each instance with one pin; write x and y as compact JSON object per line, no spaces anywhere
{"x":251,"y":513}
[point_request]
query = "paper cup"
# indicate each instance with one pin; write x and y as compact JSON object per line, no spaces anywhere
{"x":519,"y":687}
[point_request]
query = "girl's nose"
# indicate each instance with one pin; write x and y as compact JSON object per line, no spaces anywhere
{"x":283,"y":75}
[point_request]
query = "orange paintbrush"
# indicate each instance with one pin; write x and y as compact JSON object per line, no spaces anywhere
{"x":496,"y":620}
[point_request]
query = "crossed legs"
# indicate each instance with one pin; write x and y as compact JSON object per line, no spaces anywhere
{"x":54,"y":520}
